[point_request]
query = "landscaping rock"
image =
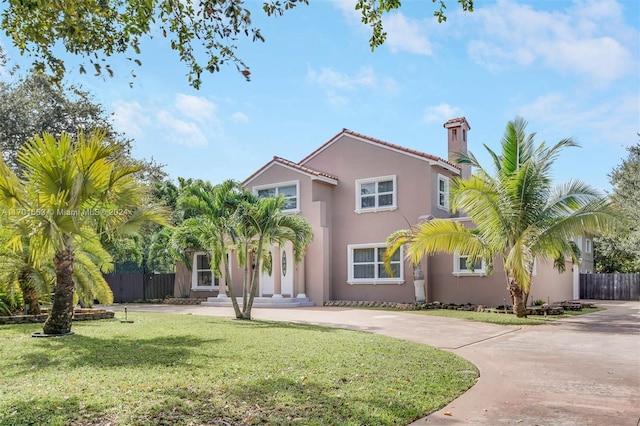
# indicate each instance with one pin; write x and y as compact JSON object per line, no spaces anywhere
{"x":78,"y":315}
{"x":183,"y":301}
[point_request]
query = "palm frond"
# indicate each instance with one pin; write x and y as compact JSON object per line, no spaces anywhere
{"x":394,"y":242}
{"x":444,"y":236}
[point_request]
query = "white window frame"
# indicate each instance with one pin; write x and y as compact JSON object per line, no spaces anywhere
{"x":588,"y":245}
{"x":360,"y":182}
{"x":446,"y":180}
{"x":194,"y":274}
{"x":459,"y":272}
{"x":375,"y":281}
{"x":578,"y":241}
{"x":279,"y":185}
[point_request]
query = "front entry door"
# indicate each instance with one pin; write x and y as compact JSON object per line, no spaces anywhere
{"x":287,"y":270}
{"x":266,"y":283}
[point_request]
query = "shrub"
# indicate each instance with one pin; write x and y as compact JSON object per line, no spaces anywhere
{"x":10,"y":303}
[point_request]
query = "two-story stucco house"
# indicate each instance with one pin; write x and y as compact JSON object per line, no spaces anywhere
{"x":355,"y":191}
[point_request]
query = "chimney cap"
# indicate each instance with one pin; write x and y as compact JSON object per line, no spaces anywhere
{"x":457,"y":122}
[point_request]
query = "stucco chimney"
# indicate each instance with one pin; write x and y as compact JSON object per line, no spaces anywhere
{"x":457,"y":129}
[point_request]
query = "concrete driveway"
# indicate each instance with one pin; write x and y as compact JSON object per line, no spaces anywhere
{"x":579,"y":371}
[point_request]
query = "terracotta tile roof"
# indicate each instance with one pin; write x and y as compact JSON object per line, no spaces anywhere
{"x":458,"y":120}
{"x":296,"y":166}
{"x":379,"y":142}
{"x":302,"y":168}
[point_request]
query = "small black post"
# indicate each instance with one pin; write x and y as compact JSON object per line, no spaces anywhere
{"x":126,"y":318}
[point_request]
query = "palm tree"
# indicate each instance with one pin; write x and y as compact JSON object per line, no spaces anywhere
{"x":35,"y":277}
{"x":71,"y":192}
{"x":20,"y":268}
{"x":211,"y":225}
{"x":262,"y":225}
{"x":92,"y":260}
{"x":228,"y":218}
{"x":519,"y":215}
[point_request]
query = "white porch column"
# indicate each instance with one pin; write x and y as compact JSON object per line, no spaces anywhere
{"x":300,"y":282}
{"x":276,"y":271}
{"x":576,"y":282}
{"x":222,"y":288}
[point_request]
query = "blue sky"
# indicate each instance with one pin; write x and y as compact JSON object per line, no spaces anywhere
{"x":570,"y":68}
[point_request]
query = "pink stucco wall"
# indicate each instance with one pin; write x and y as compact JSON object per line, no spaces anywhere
{"x":351,"y":159}
{"x":548,"y":284}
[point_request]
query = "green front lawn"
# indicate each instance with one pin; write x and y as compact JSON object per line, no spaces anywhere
{"x":195,"y":370}
{"x":505,"y":318}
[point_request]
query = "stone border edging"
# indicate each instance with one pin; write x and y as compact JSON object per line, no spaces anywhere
{"x":80,"y":315}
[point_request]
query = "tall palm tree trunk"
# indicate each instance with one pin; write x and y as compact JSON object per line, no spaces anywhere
{"x":29,"y":294}
{"x":61,"y":314}
{"x":517,"y":297}
{"x":245,"y":282}
{"x":254,"y":283}
{"x":229,"y":284}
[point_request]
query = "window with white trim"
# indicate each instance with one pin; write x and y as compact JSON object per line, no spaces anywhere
{"x":588,"y":245}
{"x":443,"y":192}
{"x":366,"y":265}
{"x":578,"y":241}
{"x":460,"y":266}
{"x":289,"y":190}
{"x":202,"y":278}
{"x":376,"y":194}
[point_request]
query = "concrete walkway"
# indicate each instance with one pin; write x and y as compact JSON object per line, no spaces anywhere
{"x":579,"y":371}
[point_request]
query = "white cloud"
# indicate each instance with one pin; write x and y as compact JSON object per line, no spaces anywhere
{"x":329,"y":78}
{"x":339,"y":86}
{"x":335,"y":99}
{"x":180,"y":131}
{"x":545,"y":106}
{"x":613,"y":121}
{"x":190,"y":121}
{"x":130,"y":118}
{"x":588,"y":38}
{"x":441,"y":113}
{"x":348,"y":9}
{"x":238,"y":117}
{"x":195,"y":107}
{"x":406,"y":35}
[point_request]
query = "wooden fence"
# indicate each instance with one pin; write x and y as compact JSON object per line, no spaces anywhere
{"x":129,"y":288}
{"x":610,"y":286}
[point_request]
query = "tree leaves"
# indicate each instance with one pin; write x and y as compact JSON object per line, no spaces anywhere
{"x":203,"y":32}
{"x":619,"y":251}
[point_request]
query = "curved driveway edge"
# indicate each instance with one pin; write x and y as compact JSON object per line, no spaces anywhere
{"x":579,"y":371}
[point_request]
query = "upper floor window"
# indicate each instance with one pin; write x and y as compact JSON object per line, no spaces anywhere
{"x":366,"y":265}
{"x":202,"y":276}
{"x":461,"y":266}
{"x":376,"y":194}
{"x":588,"y":245}
{"x":443,"y":192}
{"x":289,"y":190}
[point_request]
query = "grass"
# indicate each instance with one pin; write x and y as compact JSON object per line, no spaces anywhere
{"x":195,"y":370}
{"x":503,"y":319}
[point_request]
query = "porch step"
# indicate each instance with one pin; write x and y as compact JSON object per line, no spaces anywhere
{"x":263,"y":302}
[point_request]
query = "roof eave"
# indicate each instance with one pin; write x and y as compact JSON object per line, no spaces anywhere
{"x":273,"y":162}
